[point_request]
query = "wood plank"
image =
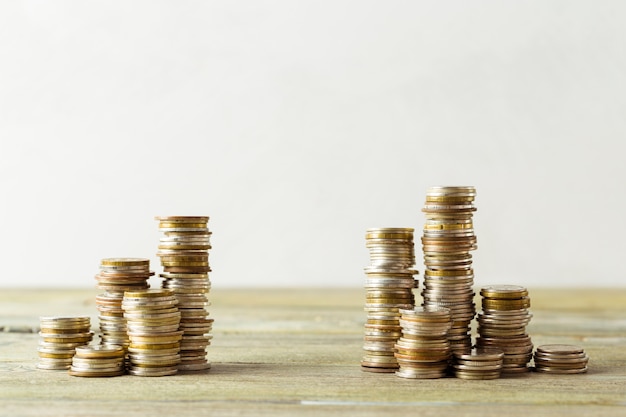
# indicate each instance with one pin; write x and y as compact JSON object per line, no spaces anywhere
{"x":294,"y":351}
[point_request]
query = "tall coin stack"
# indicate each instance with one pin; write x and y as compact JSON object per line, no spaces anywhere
{"x":116,"y":276}
{"x":153,"y":321}
{"x":502,"y":324}
{"x":447,"y":241}
{"x":60,"y":336}
{"x":423,"y":351}
{"x":389,"y":288}
{"x":183,"y":249}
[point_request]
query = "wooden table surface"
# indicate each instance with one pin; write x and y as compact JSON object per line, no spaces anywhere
{"x":297,"y":352}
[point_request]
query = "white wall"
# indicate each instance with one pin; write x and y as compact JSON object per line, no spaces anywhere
{"x":296,"y":125}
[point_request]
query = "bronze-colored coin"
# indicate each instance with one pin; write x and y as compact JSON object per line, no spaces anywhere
{"x":552,"y":370}
{"x":560,"y":349}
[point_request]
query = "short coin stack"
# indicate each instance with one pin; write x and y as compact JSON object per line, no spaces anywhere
{"x":502,"y":324}
{"x":153,"y":321}
{"x":183,"y":249}
{"x":60,"y":336}
{"x":423,"y":351}
{"x":98,"y":361}
{"x":561,"y":359}
{"x":389,"y":287}
{"x":481,"y":363}
{"x":447,"y":241}
{"x":116,"y":276}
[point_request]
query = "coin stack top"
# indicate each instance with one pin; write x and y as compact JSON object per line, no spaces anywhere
{"x":60,"y":336}
{"x":423,"y":351}
{"x":389,"y":287}
{"x":116,"y":276}
{"x":153,"y":321}
{"x":561,"y":359}
{"x":481,"y":363}
{"x":447,"y":240}
{"x":183,"y":250}
{"x":502,"y":324}
{"x":98,"y":361}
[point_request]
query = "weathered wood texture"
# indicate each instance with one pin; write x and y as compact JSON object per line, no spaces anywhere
{"x":297,"y":352}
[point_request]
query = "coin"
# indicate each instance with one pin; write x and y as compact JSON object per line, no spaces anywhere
{"x":448,"y":237}
{"x":560,"y":359}
{"x":59,"y":337}
{"x":389,"y":287}
{"x":183,"y":252}
{"x":502,"y":323}
{"x":154,"y":372}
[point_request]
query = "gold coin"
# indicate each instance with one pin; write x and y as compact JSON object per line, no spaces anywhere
{"x":184,"y":263}
{"x":125,"y":262}
{"x":183,"y":219}
{"x":150,"y":293}
{"x":504,"y":291}
{"x":448,"y":226}
{"x":174,"y":225}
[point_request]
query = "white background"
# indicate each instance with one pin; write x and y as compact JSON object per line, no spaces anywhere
{"x":296,"y":125}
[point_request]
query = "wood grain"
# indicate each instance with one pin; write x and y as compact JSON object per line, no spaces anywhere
{"x":297,"y":352}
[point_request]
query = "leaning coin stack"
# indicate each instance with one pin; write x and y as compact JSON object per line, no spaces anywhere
{"x":389,"y":287}
{"x":447,"y":241}
{"x":60,"y":336}
{"x":116,"y":276}
{"x":481,"y":363}
{"x":423,"y":351}
{"x":183,"y":249}
{"x":561,"y":359}
{"x":98,"y":361}
{"x":153,"y":320}
{"x":502,"y":324}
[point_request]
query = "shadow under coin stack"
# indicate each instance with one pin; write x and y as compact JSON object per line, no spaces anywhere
{"x":423,"y":351}
{"x":561,"y":359}
{"x":60,"y":336}
{"x":153,"y":321}
{"x":389,"y":287}
{"x":183,"y":249}
{"x":116,"y":276}
{"x":447,"y":241}
{"x":98,"y":361}
{"x":482,"y":363}
{"x":502,"y":324}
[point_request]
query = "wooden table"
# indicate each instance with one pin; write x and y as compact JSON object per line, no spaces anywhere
{"x":297,"y":352}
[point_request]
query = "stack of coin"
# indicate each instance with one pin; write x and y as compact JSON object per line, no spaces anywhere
{"x":561,"y":359}
{"x":59,"y":338}
{"x":447,"y":241}
{"x":481,"y":363}
{"x":98,"y":361}
{"x":389,"y":287}
{"x":183,"y":249}
{"x":502,"y":324}
{"x":423,"y":351}
{"x":153,"y":321}
{"x":116,"y":276}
